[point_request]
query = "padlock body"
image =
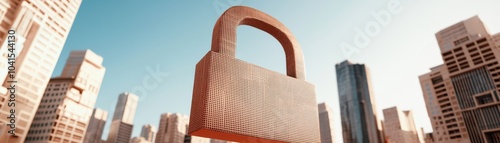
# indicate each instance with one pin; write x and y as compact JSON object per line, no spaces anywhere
{"x":239,"y":101}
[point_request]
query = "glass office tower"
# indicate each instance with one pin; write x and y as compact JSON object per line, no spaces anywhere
{"x":357,"y":105}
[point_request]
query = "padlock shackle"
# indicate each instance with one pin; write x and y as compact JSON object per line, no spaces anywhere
{"x":224,"y":36}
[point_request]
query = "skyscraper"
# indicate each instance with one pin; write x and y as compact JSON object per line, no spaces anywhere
{"x":172,"y":128}
{"x":148,"y":132}
{"x":41,"y":29}
{"x":399,"y":126}
{"x":496,"y":38}
{"x":326,"y":123}
{"x":439,"y":103}
{"x":123,"y":118}
{"x":462,"y":95}
{"x":359,"y":119}
{"x":96,"y":126}
{"x":66,"y":106}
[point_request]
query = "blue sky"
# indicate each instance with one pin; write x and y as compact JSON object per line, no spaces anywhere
{"x":137,"y":36}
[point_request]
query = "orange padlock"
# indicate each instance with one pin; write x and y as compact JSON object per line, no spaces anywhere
{"x":237,"y":101}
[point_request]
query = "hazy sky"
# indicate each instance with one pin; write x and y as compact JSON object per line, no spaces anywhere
{"x":137,"y":37}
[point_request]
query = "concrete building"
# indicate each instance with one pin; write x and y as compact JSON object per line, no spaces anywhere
{"x":4,"y":128}
{"x":172,"y":128}
{"x":148,"y":132}
{"x":96,"y":126}
{"x":326,"y":123}
{"x":66,"y":107}
{"x":496,"y":38}
{"x":462,"y":95}
{"x":399,"y":126}
{"x":139,"y":140}
{"x":123,"y":118}
{"x":439,"y":103}
{"x":41,"y":29}
{"x":429,"y":138}
{"x":421,"y":135}
{"x":357,"y":105}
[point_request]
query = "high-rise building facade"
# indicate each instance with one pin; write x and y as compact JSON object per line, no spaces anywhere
{"x":96,"y":126}
{"x":440,"y":101}
{"x":360,"y":123}
{"x":462,"y":95}
{"x":172,"y":128}
{"x":66,"y":107}
{"x":41,"y":29}
{"x":429,"y":138}
{"x":496,"y":38}
{"x":123,"y":118}
{"x":326,"y":123}
{"x":148,"y":132}
{"x":399,"y":126}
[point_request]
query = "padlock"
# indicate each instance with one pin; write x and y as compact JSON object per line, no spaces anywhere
{"x":237,"y":101}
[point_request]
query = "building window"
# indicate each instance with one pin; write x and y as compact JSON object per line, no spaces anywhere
{"x":436,"y":80}
{"x":484,"y":99}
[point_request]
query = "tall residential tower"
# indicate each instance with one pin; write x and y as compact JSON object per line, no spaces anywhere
{"x":462,"y":95}
{"x":66,"y":106}
{"x":41,"y":29}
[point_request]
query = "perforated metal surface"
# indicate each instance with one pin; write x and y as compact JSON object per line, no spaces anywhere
{"x":238,"y":101}
{"x":236,"y":97}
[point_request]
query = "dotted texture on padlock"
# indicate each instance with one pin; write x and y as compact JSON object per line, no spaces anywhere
{"x":237,"y":101}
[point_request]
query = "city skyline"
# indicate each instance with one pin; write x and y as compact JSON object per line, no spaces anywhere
{"x":177,"y":73}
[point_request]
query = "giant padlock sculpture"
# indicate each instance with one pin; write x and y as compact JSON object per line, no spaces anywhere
{"x":237,"y":101}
